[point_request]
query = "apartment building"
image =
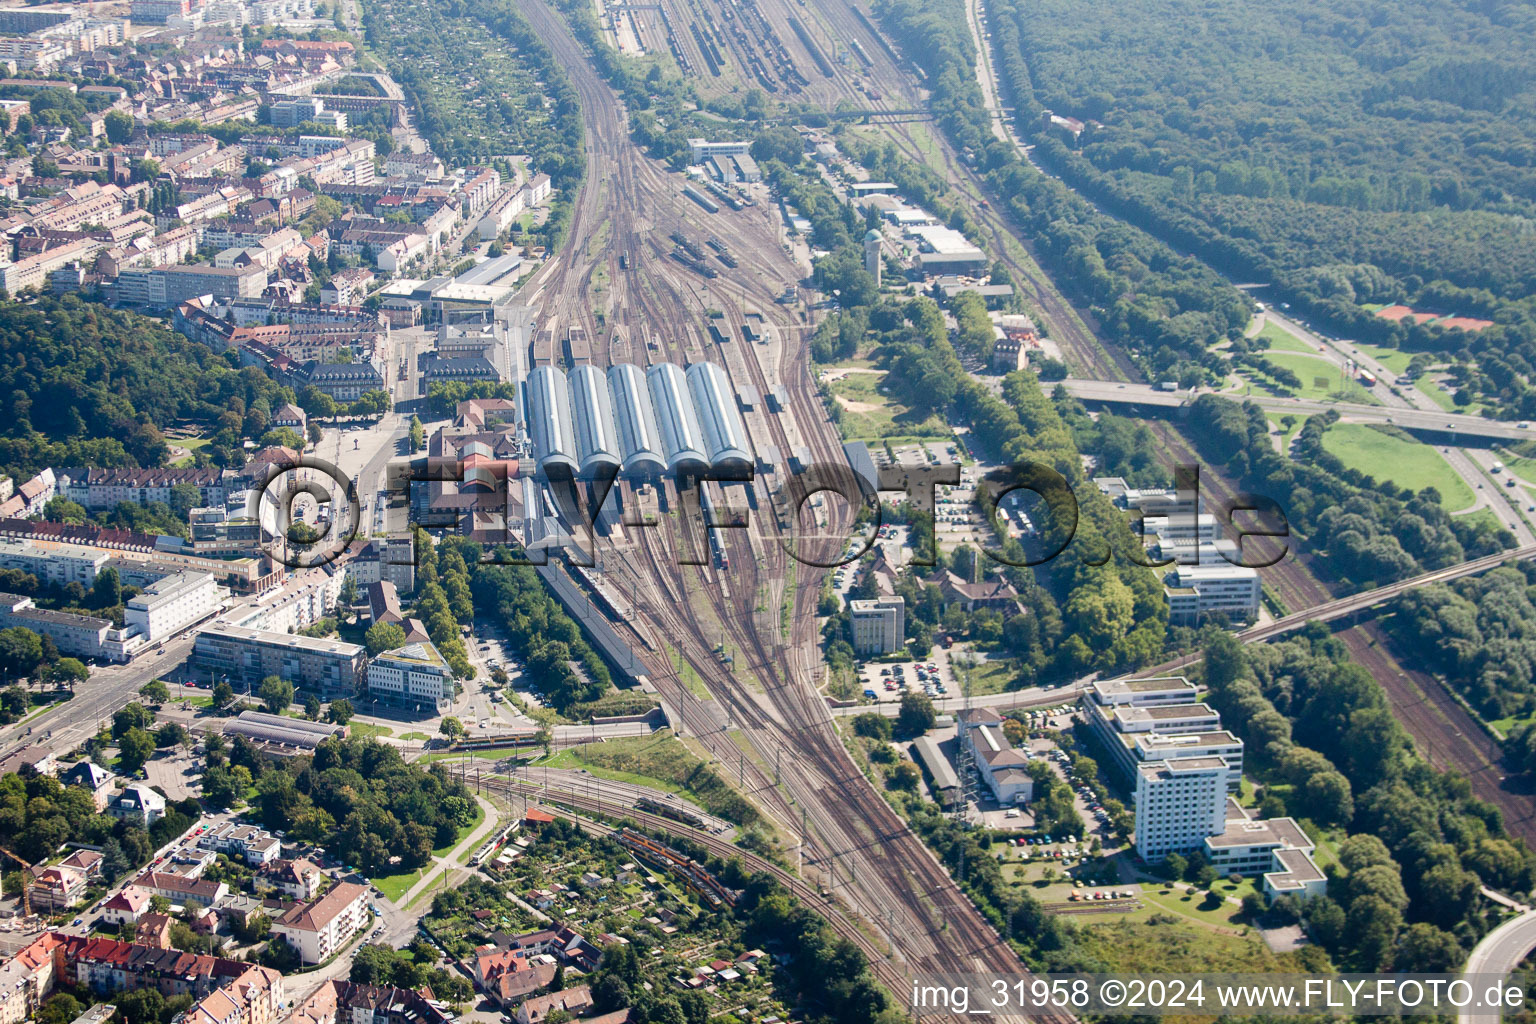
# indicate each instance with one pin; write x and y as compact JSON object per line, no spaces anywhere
{"x":138,"y":804}
{"x":318,"y":929}
{"x":164,"y":287}
{"x":877,"y":626}
{"x":179,"y":889}
{"x":81,"y":636}
{"x":253,"y":845}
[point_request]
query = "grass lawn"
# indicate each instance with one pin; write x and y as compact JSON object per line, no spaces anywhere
{"x":1198,"y":907}
{"x":487,"y":754}
{"x":1483,"y":515}
{"x":419,"y":737}
{"x":1442,"y":397}
{"x":869,"y":415}
{"x":1407,"y":464}
{"x":191,"y":444}
{"x":1282,"y":340}
{"x":1311,"y":368}
{"x":369,"y":729}
{"x":396,"y":886}
{"x":1518,"y":464}
{"x":1394,"y":359}
{"x":992,"y":676}
{"x":659,"y":761}
{"x":1135,"y":943}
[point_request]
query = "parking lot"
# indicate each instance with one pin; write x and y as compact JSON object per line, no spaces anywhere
{"x":886,"y":681}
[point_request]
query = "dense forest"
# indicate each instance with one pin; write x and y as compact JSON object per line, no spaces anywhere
{"x":85,"y":385}
{"x":1480,"y":634}
{"x":357,"y":798}
{"x":1323,"y":742}
{"x":1162,"y":306}
{"x":1359,"y":154}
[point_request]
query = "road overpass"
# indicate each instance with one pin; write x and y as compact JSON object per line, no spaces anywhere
{"x":1454,"y":427}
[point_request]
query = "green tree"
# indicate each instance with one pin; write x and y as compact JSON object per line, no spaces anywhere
{"x":134,"y":747}
{"x":276,"y":694}
{"x":21,"y":651}
{"x":451,"y":727}
{"x":107,"y":590}
{"x":383,"y":636}
{"x":67,"y":672}
{"x":340,"y":712}
{"x":155,"y":691}
{"x":917,"y":714}
{"x":119,"y":125}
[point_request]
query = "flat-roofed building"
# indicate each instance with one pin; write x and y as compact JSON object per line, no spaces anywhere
{"x":329,"y":668}
{"x":1197,"y":591}
{"x":877,"y":626}
{"x":1151,"y":746}
{"x":1165,"y":719}
{"x":1143,"y":692}
{"x":81,"y":636}
{"x":415,"y":674}
{"x":1276,"y":848}
{"x":168,"y":606}
{"x":165,"y":287}
{"x":1178,"y":804}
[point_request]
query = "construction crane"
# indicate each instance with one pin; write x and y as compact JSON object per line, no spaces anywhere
{"x":26,"y":892}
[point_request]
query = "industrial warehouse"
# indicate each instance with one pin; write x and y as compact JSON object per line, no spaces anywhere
{"x":639,"y":423}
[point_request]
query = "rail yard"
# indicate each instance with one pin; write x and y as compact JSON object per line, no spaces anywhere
{"x":766,"y":713}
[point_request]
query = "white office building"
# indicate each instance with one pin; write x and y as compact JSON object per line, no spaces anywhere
{"x":1276,"y":848}
{"x":1195,"y":591}
{"x":169,"y":605}
{"x":1178,"y":804}
{"x":1202,"y":527}
{"x":413,"y":674}
{"x":877,"y":627}
{"x":1115,"y":693}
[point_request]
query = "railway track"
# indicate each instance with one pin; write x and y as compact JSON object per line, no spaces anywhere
{"x":853,"y":839}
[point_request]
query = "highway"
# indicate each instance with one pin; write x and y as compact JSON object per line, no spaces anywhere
{"x":1443,"y":425}
{"x":1495,"y":957}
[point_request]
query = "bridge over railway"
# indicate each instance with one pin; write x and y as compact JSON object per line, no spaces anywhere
{"x":1455,"y":426}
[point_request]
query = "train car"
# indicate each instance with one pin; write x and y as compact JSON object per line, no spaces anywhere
{"x":703,"y":200}
{"x":672,"y":811}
